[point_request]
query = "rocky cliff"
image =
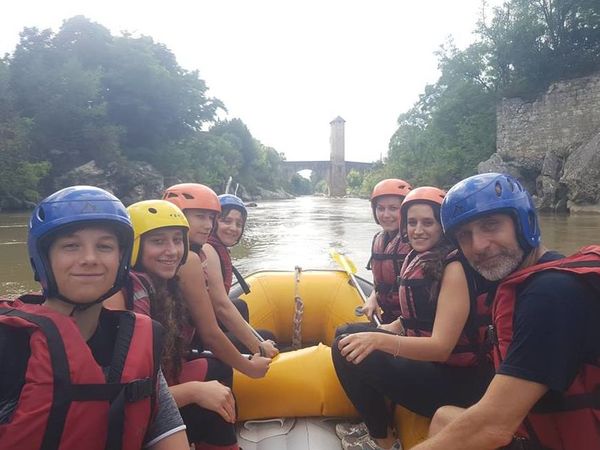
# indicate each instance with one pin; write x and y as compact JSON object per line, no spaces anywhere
{"x":552,"y":145}
{"x":130,"y":181}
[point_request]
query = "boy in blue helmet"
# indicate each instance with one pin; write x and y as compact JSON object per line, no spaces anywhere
{"x":74,"y":374}
{"x":545,"y":329}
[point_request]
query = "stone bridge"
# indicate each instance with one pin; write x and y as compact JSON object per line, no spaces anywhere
{"x":334,"y":170}
{"x":321,"y":168}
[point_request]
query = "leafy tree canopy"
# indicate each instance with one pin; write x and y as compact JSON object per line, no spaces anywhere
{"x":82,"y":94}
{"x":520,"y":51}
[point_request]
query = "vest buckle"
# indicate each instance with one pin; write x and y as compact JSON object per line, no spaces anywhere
{"x":140,"y":389}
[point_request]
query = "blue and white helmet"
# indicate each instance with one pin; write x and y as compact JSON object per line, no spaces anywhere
{"x":490,"y":193}
{"x":72,"y":207}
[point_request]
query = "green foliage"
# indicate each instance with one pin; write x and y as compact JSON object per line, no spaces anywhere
{"x":260,"y":165}
{"x":268,"y":171}
{"x":533,"y":43}
{"x":354,"y":180}
{"x":526,"y":46}
{"x":300,"y":185}
{"x":83,"y":94}
{"x":19,"y":178}
{"x":321,"y":187}
{"x":202,"y":158}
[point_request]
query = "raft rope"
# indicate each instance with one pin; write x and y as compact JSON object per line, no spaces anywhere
{"x":298,"y":311}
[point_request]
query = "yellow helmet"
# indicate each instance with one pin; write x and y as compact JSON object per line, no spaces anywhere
{"x":154,"y":214}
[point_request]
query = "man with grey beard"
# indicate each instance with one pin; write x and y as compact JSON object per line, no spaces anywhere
{"x":545,"y":332}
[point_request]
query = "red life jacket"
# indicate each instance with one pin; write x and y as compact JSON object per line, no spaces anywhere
{"x":418,"y":303}
{"x":385,"y":262}
{"x":138,"y":293}
{"x":225,"y":259}
{"x":228,"y":270}
{"x":571,"y":422}
{"x":67,"y":402}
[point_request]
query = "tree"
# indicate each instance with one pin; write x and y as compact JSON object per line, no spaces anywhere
{"x":354,"y":180}
{"x":18,"y":178}
{"x":201,"y":158}
{"x":523,"y":48}
{"x":238,"y":134}
{"x":300,"y":185}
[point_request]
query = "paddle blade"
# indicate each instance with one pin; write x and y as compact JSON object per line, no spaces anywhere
{"x":343,"y":261}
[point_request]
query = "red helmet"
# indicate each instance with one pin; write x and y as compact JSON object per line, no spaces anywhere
{"x":390,"y":186}
{"x":427,"y":194}
{"x":193,"y":196}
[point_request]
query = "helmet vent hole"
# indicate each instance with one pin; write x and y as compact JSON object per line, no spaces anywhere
{"x":152,"y":210}
{"x":498,"y":188}
{"x":512,"y":185}
{"x":41,"y":214}
{"x":188,"y":196}
{"x":171,"y":195}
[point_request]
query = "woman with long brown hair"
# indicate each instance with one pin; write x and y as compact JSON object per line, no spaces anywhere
{"x":433,"y":354}
{"x":200,"y":384}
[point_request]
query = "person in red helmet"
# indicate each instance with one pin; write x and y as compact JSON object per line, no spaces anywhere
{"x":434,"y":353}
{"x":202,"y":208}
{"x":388,"y":249}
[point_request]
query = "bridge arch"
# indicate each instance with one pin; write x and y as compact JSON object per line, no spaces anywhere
{"x":321,"y":169}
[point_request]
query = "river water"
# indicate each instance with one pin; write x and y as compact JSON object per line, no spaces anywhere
{"x":285,"y":233}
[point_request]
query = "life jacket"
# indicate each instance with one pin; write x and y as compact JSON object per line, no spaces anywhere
{"x":418,"y":304}
{"x":385,"y":262}
{"x":138,"y":301}
{"x":225,"y":259}
{"x":571,"y":420}
{"x":228,"y":270}
{"x":67,"y":402}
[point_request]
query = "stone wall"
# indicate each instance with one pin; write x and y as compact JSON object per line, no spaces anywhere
{"x":552,"y":144}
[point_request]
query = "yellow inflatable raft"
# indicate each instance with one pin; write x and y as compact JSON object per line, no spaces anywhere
{"x":303,"y":382}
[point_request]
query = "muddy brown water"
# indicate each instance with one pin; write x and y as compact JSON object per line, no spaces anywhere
{"x":283,"y":234}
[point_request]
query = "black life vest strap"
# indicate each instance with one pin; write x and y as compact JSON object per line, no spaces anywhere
{"x":416,"y":324}
{"x":116,"y":417}
{"x":560,"y":403}
{"x":423,"y":282}
{"x":368,"y":266}
{"x":387,"y":257}
{"x":245,"y":287}
{"x":384,"y":288}
{"x":133,"y":391}
{"x":466,"y":348}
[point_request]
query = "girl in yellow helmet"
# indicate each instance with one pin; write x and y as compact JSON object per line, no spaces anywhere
{"x":201,"y":387}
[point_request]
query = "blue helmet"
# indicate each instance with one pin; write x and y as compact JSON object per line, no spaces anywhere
{"x":230,"y":201}
{"x":72,"y":207}
{"x":490,"y":193}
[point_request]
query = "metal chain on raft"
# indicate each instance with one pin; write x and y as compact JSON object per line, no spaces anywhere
{"x":298,"y":311}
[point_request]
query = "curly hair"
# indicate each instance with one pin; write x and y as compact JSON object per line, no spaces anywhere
{"x":167,"y":307}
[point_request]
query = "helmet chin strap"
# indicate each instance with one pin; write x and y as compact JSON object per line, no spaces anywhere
{"x":84,"y":306}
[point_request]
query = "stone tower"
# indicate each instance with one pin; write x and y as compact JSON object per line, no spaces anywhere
{"x":337,"y":168}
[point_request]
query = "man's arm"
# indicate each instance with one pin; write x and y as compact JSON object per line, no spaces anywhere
{"x":492,"y":422}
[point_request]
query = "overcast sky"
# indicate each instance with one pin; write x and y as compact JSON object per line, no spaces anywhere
{"x":288,"y":67}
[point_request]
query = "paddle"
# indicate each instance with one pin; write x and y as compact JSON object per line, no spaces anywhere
{"x":349,"y":267}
